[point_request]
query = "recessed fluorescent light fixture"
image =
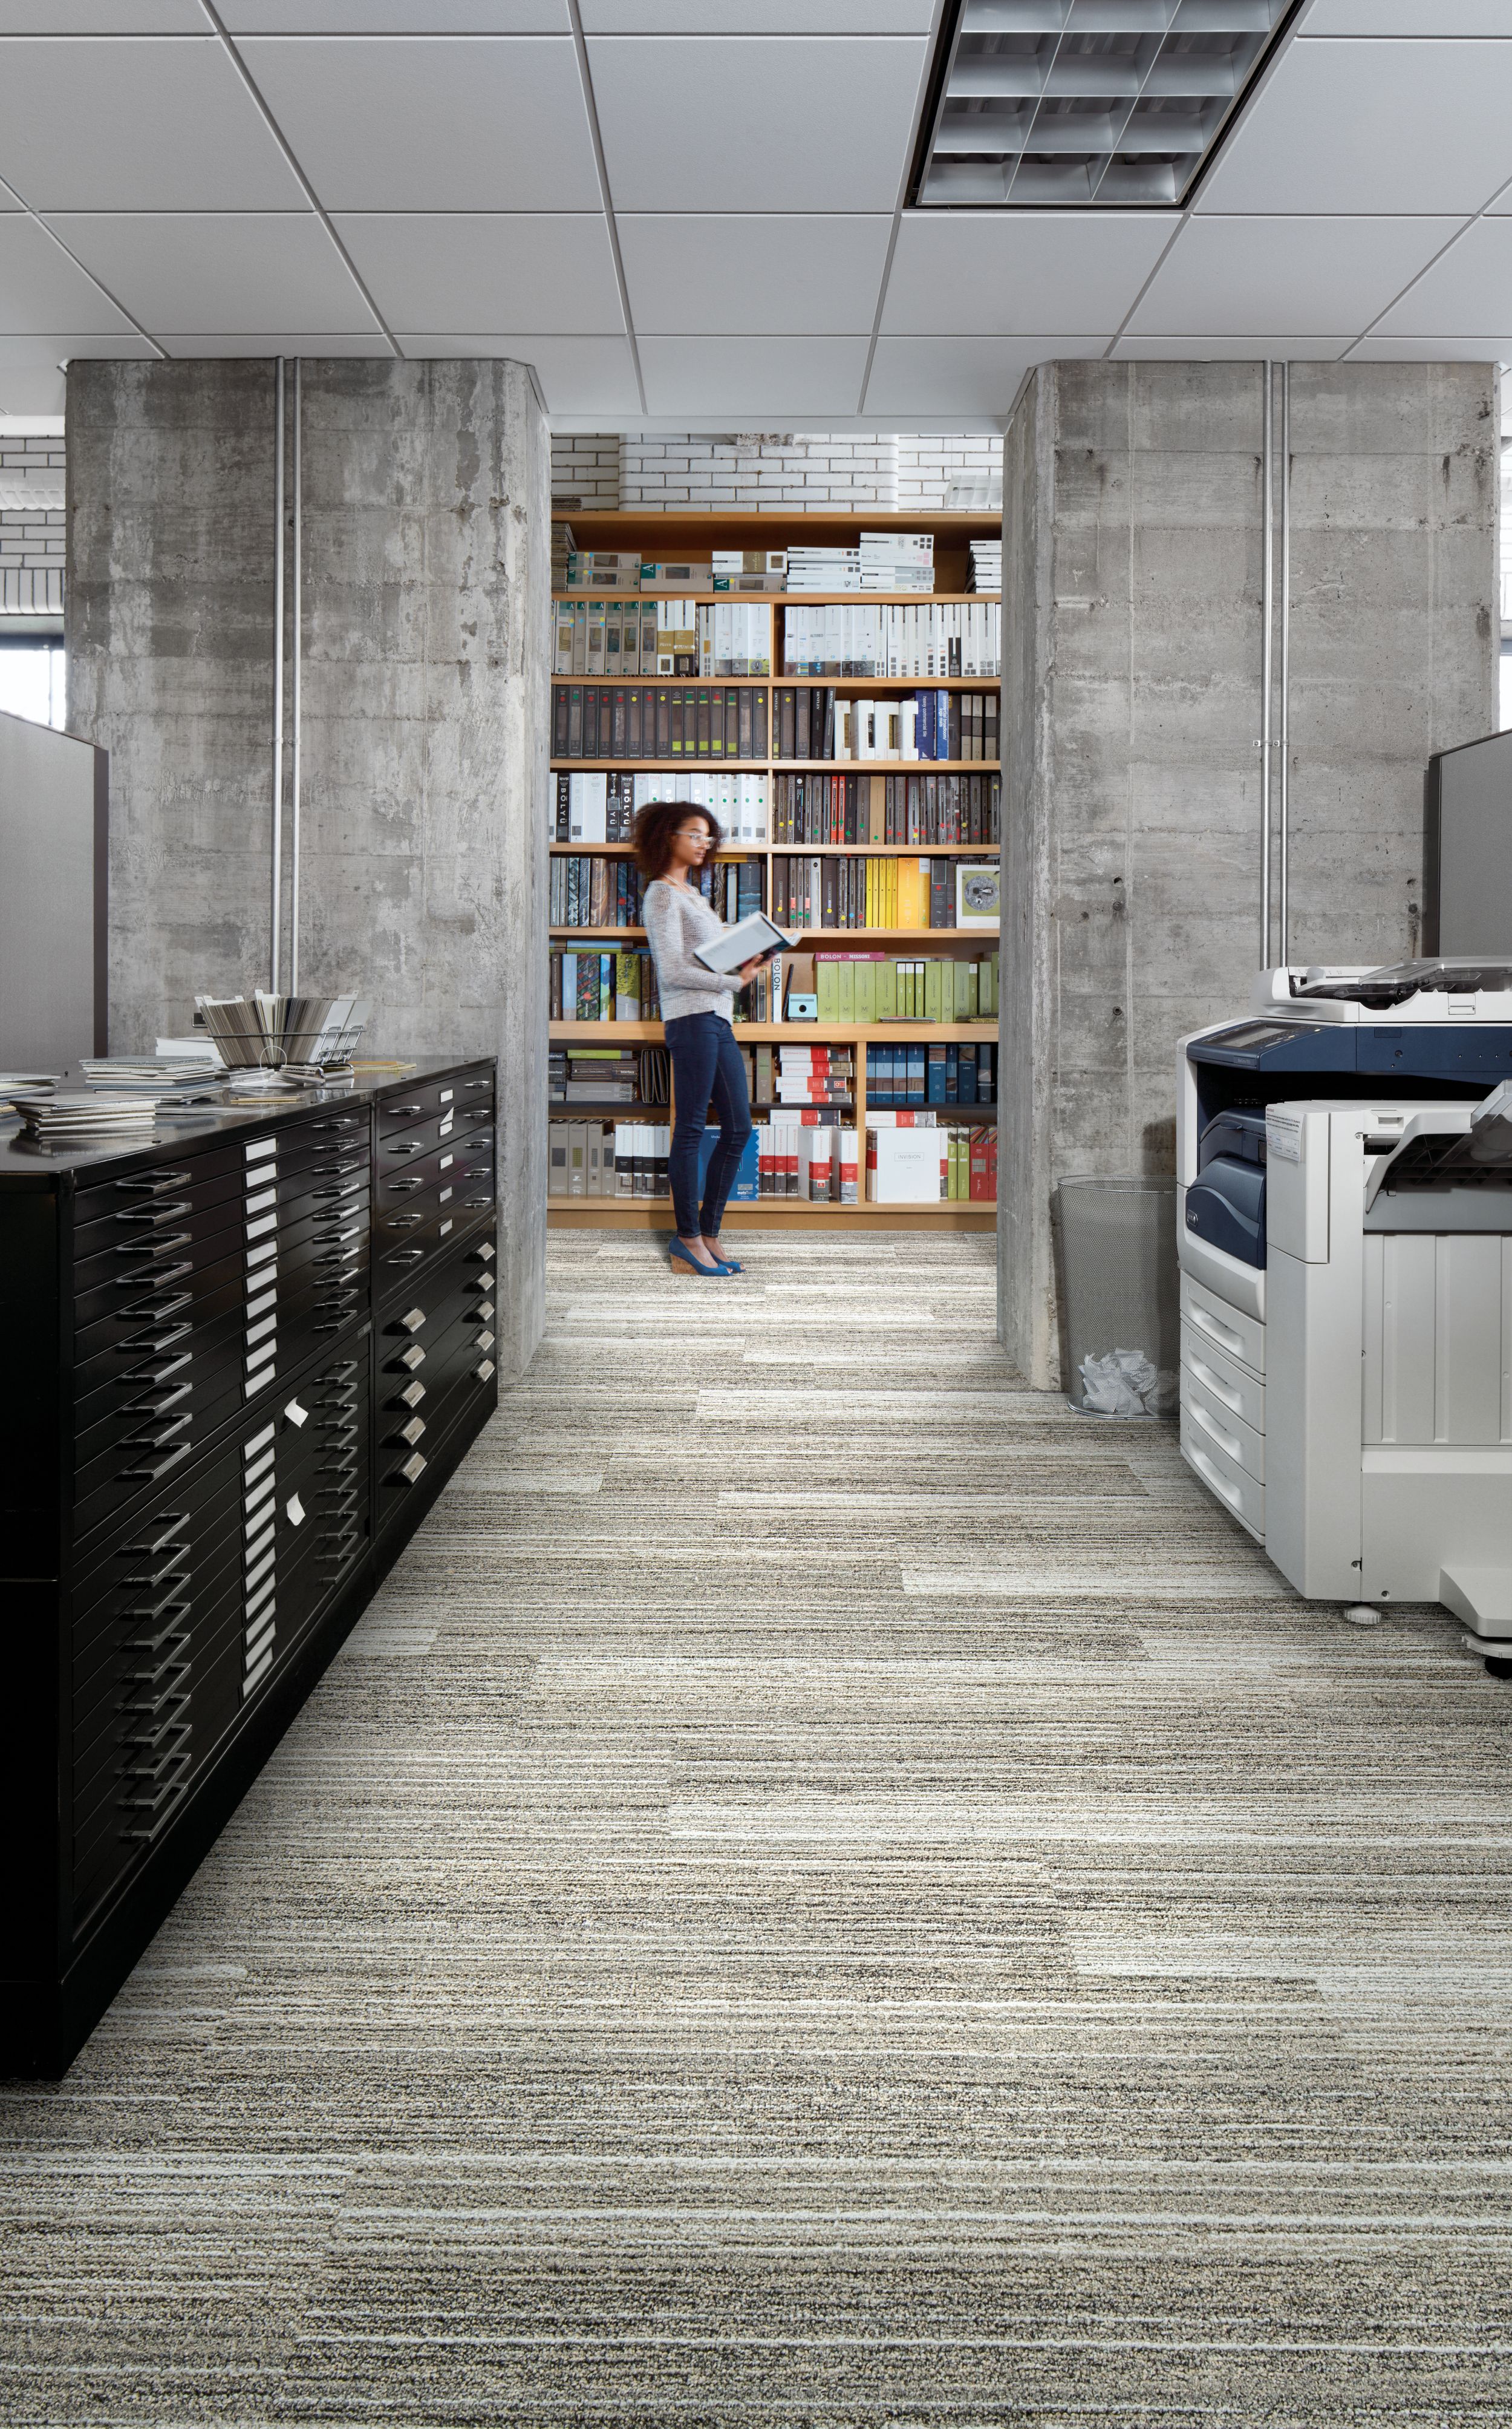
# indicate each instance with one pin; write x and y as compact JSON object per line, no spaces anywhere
{"x":1051,"y":104}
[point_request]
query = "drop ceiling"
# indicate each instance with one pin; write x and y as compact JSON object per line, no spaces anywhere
{"x":686,"y":209}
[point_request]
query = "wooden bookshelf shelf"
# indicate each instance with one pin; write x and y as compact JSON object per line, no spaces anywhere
{"x":689,"y":534}
{"x":865,"y":850}
{"x":806,"y":937}
{"x":774,"y":1213}
{"x":787,"y":1033}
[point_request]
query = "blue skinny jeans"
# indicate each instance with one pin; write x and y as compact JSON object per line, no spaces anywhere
{"x":707,"y":1065}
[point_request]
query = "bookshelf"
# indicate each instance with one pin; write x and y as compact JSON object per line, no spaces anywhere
{"x":685,"y":534}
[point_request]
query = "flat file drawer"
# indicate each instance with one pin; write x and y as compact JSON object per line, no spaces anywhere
{"x":405,"y":1141}
{"x":136,"y":1206}
{"x":1242,"y":1494}
{"x":433,"y":1100}
{"x":399,"y":1258}
{"x":1228,"y":1328}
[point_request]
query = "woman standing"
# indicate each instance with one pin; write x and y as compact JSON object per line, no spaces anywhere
{"x":673,"y":839}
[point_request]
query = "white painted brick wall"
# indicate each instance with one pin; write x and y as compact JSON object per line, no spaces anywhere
{"x":32,"y":546}
{"x":802,"y":470}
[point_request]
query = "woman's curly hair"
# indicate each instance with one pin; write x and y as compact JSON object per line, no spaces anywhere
{"x":655,"y":825}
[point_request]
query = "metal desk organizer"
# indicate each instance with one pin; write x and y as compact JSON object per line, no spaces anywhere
{"x":1345,"y":1220}
{"x":247,"y":1350}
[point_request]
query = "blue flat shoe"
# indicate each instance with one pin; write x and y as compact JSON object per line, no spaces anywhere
{"x":681,"y":1263}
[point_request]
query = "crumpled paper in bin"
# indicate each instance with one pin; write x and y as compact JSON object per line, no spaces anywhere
{"x":1123,"y":1384}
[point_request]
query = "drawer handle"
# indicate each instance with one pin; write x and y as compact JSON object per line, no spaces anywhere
{"x":173,"y":1523}
{"x":170,"y":1213}
{"x":152,"y":1185}
{"x":405,"y":1257}
{"x":151,"y":1310}
{"x":153,"y":1343}
{"x":410,"y":1398}
{"x":148,"y":1474}
{"x":166,"y":1246}
{"x":482,"y":1255}
{"x":172,"y":1573}
{"x":158,"y":1441}
{"x":1209,"y":1425}
{"x":413,"y":1320}
{"x":404,"y":1147}
{"x":156,"y":1402}
{"x":408,"y":1359}
{"x":401,"y":1113}
{"x":173,"y":1714}
{"x":148,"y":1373}
{"x":403,"y":1222}
{"x":1216,"y":1385}
{"x":1220,"y":1332}
{"x":175,"y":1581}
{"x":169,"y":1626}
{"x":152,"y":1798}
{"x":152,"y":1685}
{"x":404,"y":1183}
{"x":1225,"y":1492}
{"x":411,"y":1471}
{"x":481,"y":1374}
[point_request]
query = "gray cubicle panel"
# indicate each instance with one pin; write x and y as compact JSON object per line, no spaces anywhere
{"x":1468,"y":862}
{"x":54,"y":842}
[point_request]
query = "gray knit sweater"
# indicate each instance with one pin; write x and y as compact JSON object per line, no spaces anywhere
{"x":677,"y":919}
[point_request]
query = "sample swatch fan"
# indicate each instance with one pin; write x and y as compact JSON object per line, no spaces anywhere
{"x":285,"y":1036}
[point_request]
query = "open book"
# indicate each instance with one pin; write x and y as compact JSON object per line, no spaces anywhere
{"x":751,"y":939}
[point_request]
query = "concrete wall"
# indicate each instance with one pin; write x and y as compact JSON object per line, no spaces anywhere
{"x":1131,"y":705}
{"x":426,"y":615}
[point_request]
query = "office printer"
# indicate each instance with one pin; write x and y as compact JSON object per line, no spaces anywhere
{"x":1344,"y":1217}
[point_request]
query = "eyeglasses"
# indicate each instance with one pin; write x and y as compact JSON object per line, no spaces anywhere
{"x":693,"y":834}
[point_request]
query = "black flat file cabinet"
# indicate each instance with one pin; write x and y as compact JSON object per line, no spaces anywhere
{"x":246,"y":1348}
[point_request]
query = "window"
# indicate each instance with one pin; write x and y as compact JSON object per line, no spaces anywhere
{"x":32,"y":680}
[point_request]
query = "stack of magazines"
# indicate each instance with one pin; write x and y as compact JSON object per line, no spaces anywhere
{"x":82,"y":1112}
{"x":23,"y":1084}
{"x":166,"y":1079}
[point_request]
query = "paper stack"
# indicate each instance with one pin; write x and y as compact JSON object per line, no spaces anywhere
{"x":83,"y":1113}
{"x":898,"y":561}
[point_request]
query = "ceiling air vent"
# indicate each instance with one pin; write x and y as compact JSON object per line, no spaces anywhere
{"x":1047,"y":103}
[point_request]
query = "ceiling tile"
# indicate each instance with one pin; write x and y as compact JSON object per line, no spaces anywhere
{"x":189,"y":345}
{"x":1378,"y":18}
{"x":1431,"y":350}
{"x":191,"y":270}
{"x":746,"y":124}
{"x":1239,"y":276}
{"x":577,"y":375}
{"x":1371,"y":126}
{"x":396,"y":16}
{"x":1229,"y":349}
{"x":135,"y":125}
{"x":758,"y":17}
{"x":41,"y":292}
{"x":938,"y":375}
{"x":1000,"y":273}
{"x":440,"y":269}
{"x":753,"y":375}
{"x":481,"y":124}
{"x":746,"y":274}
{"x":102,"y":17}
{"x":1467,"y":288}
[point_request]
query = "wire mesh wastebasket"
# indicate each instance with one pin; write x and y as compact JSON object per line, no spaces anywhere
{"x":1119,"y":1308}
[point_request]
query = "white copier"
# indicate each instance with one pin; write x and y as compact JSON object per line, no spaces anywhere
{"x":1344,"y":1217}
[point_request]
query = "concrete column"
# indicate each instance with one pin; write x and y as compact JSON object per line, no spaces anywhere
{"x":1132,"y":537}
{"x":426,"y":620}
